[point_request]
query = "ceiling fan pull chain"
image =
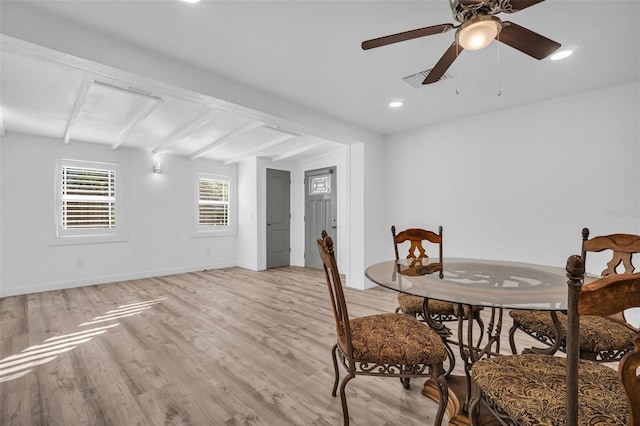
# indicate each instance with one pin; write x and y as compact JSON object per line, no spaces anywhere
{"x":457,"y":74}
{"x":499,"y":92}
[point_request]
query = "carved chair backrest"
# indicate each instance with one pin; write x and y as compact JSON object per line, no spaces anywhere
{"x":623,"y":247}
{"x":416,"y":236}
{"x":605,"y":297}
{"x":336,"y":293}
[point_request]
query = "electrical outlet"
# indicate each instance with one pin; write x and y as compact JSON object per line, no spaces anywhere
{"x":80,"y":263}
{"x":207,"y":252}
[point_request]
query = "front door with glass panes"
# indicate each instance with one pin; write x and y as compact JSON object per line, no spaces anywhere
{"x":320,"y":213}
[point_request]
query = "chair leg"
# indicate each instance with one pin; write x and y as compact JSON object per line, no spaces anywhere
{"x":474,"y":409}
{"x":476,"y":316}
{"x":438,"y":374}
{"x":406,"y":382}
{"x":335,"y":368}
{"x":451,"y":356}
{"x":512,"y":332}
{"x":343,"y":399}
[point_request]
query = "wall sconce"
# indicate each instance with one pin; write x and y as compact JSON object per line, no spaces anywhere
{"x":157,"y":167}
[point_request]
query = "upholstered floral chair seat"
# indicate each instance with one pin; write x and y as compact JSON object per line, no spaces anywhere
{"x":532,"y":390}
{"x":596,"y":333}
{"x":394,"y":338}
{"x":412,"y":305}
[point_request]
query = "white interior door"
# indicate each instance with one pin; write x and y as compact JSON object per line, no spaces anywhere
{"x":278,"y":218}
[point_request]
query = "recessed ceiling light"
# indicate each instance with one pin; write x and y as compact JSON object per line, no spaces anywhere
{"x":561,"y":54}
{"x":395,"y":104}
{"x":191,"y":1}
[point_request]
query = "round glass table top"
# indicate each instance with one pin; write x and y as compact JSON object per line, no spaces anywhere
{"x":490,"y":283}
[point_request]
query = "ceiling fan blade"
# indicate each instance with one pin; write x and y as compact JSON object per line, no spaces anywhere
{"x":444,"y":63}
{"x":517,"y":5}
{"x":526,"y":41}
{"x":407,"y":35}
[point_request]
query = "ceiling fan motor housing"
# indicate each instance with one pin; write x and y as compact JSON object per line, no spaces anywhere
{"x":464,"y":10}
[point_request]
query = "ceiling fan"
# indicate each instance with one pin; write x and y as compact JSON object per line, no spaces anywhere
{"x":478,"y":27}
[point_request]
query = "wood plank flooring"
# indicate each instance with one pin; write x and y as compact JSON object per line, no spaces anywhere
{"x":220,"y":347}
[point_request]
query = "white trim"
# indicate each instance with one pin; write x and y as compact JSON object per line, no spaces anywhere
{"x":6,"y":291}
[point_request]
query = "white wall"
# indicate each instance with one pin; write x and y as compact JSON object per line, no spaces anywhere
{"x":521,"y":184}
{"x":159,"y":209}
{"x":377,"y":243}
{"x":247,"y":249}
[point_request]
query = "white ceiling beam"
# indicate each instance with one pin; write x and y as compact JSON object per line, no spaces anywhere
{"x":295,"y":152}
{"x":256,"y":150}
{"x":77,"y":106}
{"x":144,"y":113}
{"x":129,"y":91}
{"x":225,"y":139}
{"x":324,"y":155}
{"x":182,"y":133}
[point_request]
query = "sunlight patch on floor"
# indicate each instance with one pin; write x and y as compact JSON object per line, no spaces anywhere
{"x":20,"y":364}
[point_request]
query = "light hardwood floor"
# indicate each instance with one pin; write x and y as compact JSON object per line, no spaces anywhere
{"x":220,"y":347}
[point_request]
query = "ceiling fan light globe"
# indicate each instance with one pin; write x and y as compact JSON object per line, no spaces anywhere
{"x":479,"y":32}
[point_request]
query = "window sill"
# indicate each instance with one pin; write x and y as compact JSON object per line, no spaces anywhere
{"x":218,"y":233}
{"x":85,"y":239}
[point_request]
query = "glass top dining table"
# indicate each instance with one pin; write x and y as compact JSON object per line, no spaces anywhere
{"x":479,"y":282}
{"x":495,"y":284}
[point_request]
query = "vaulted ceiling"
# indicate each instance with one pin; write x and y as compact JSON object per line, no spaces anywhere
{"x":303,"y":52}
{"x":45,"y":97}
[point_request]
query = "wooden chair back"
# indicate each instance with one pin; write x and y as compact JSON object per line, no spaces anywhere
{"x":416,"y":236}
{"x":336,"y":293}
{"x":604,"y":297}
{"x":623,"y":246}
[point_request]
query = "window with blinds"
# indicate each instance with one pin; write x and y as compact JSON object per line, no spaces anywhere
{"x":89,"y":203}
{"x":88,"y":198}
{"x":213,"y":202}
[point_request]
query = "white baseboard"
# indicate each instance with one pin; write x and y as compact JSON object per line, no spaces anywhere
{"x":249,"y":266}
{"x":60,"y":285}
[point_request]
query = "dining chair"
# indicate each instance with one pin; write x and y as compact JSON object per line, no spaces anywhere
{"x":439,"y":311}
{"x":601,"y":339}
{"x":390,"y":345}
{"x":539,"y":389}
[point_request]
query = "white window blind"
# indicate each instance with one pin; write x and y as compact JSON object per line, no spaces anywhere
{"x":213,"y":202}
{"x":88,"y":198}
{"x":89,"y":203}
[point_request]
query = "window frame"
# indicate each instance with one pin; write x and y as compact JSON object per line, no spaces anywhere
{"x":215,"y":230}
{"x":62,"y":236}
